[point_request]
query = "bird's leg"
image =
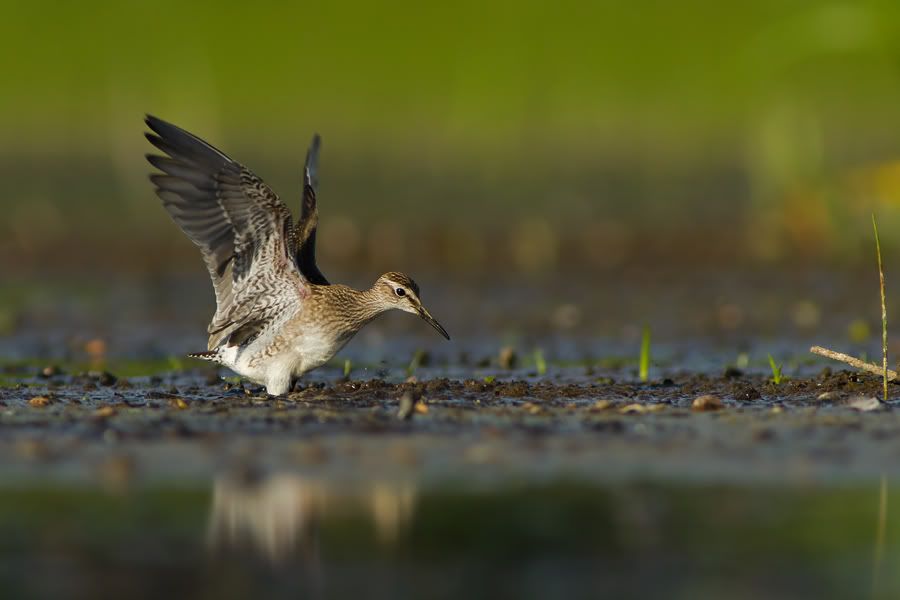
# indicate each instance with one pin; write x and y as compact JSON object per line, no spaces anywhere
{"x":279,"y":384}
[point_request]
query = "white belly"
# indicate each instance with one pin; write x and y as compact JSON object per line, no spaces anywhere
{"x":277,"y":371}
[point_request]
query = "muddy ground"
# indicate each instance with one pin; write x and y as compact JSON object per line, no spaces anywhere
{"x":730,"y":427}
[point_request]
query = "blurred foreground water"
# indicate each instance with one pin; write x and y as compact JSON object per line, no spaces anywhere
{"x":286,"y":536}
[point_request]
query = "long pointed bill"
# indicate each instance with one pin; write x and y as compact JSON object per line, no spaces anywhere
{"x":426,"y":316}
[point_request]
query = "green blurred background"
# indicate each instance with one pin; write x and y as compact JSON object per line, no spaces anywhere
{"x":517,"y":136}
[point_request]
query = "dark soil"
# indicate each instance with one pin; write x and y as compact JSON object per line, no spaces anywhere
{"x":829,"y":423}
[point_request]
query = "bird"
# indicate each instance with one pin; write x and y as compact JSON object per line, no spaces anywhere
{"x":277,"y":316}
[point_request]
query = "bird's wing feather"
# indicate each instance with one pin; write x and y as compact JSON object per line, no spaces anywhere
{"x":237,"y":221}
{"x":304,"y":234}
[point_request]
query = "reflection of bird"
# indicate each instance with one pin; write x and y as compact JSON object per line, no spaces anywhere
{"x":277,"y":316}
{"x":282,"y":513}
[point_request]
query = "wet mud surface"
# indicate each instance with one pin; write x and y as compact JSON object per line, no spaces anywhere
{"x":733,"y":427}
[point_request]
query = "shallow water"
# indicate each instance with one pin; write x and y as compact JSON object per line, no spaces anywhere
{"x":284,"y":535}
{"x":128,"y":469}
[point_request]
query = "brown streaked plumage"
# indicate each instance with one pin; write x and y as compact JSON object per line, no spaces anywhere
{"x":277,"y":316}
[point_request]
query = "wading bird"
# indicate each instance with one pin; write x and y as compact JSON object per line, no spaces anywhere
{"x":277,"y":317}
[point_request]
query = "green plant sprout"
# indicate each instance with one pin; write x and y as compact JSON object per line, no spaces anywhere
{"x":777,"y":376}
{"x":539,"y":362}
{"x":644,"y":362}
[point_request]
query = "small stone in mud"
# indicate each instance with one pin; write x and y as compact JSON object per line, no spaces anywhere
{"x":707,"y":402}
{"x":507,"y":358}
{"x":830,"y":396}
{"x":178,"y":403}
{"x":39,"y":401}
{"x":600,"y":405}
{"x":864,"y":403}
{"x":633,"y":409}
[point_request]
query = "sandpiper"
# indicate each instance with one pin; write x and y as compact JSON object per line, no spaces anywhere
{"x":277,"y":316}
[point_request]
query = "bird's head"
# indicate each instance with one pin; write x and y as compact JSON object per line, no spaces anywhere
{"x":398,"y":291}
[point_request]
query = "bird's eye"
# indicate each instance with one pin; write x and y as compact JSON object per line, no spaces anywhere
{"x":400,"y":292}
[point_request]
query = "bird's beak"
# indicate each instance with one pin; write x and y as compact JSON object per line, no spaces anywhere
{"x":426,"y":316}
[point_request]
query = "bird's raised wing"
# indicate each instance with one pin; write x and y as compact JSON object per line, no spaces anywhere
{"x":304,"y":235}
{"x":239,"y":224}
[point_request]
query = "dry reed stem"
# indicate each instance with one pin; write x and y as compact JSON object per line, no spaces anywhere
{"x":854,"y":362}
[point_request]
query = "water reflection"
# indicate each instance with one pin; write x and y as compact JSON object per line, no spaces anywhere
{"x":292,"y":536}
{"x":880,"y":535}
{"x":279,"y":516}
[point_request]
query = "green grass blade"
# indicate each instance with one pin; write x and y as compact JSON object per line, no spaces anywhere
{"x":644,"y":365}
{"x":776,"y":371}
{"x":539,"y":362}
{"x":884,"y":339}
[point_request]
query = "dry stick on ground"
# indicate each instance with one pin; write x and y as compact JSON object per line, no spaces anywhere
{"x":853,"y":362}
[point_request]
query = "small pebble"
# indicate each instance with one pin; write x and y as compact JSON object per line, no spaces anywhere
{"x":39,"y":401}
{"x":707,"y":402}
{"x":829,"y":396}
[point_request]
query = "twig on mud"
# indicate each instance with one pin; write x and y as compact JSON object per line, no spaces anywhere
{"x":853,"y":362}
